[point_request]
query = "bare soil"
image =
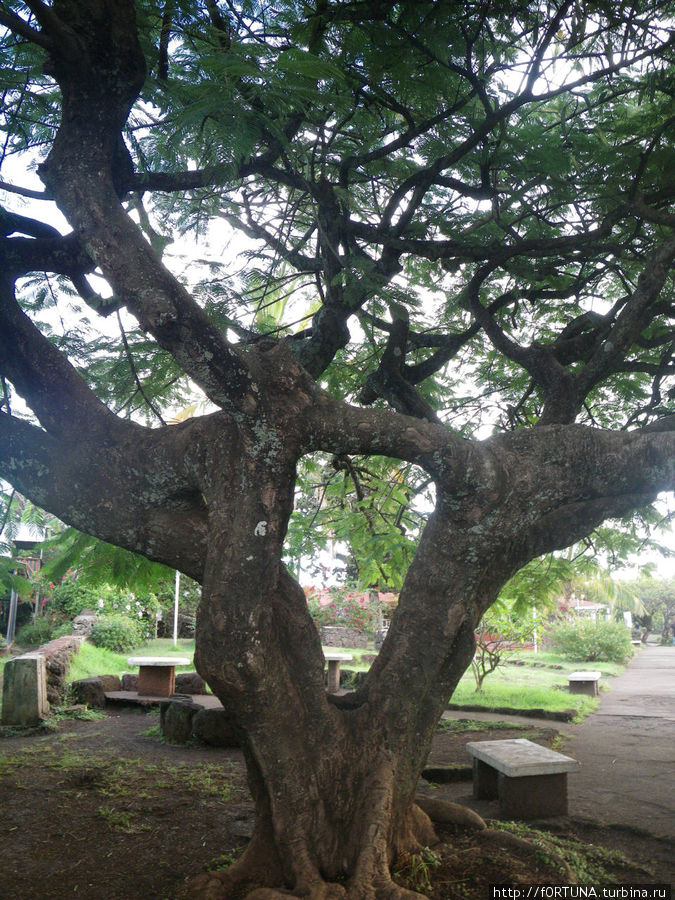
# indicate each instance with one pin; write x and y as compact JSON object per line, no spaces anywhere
{"x":106,"y":809}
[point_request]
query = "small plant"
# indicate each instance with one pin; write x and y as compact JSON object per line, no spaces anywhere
{"x":499,"y":633}
{"x":415,"y":872}
{"x":120,"y":820}
{"x":224,"y":861}
{"x":117,"y":633}
{"x":589,"y":641}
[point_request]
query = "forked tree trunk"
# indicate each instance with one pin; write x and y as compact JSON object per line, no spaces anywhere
{"x":333,"y":778}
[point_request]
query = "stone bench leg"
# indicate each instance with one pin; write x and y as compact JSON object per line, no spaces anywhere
{"x":333,"y":676}
{"x":156,"y":681}
{"x":485,"y":785}
{"x":584,"y":687}
{"x":532,"y":796}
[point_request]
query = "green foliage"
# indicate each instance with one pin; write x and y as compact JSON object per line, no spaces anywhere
{"x":657,"y":597}
{"x":35,"y":633}
{"x":587,"y":640}
{"x":376,"y":507}
{"x":99,"y":563}
{"x":71,"y":597}
{"x":118,"y":633}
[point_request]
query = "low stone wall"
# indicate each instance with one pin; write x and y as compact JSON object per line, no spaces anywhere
{"x":338,"y":636}
{"x":58,"y":656}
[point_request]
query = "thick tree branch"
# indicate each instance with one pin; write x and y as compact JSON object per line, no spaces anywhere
{"x":44,"y":377}
{"x":80,"y":170}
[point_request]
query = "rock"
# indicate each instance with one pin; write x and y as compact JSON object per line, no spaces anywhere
{"x":190,"y":683}
{"x":89,"y":691}
{"x":84,"y":623}
{"x":110,"y":682}
{"x":129,"y":682}
{"x":176,"y":718}
{"x":213,"y":727}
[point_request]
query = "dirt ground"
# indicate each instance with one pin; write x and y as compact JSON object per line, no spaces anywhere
{"x":106,"y":809}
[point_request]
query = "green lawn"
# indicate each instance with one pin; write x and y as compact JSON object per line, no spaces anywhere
{"x":534,"y":685}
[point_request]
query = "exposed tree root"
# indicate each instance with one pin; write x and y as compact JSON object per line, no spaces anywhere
{"x":512,"y":841}
{"x":443,"y":812}
{"x":258,"y":865}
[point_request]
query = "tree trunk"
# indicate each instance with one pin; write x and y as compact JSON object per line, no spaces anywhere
{"x":333,"y":778}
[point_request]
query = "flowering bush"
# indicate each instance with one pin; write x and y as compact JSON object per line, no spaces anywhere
{"x":338,"y":606}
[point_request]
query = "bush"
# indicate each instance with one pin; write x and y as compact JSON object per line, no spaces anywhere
{"x":589,"y":641}
{"x":34,"y":634}
{"x":117,"y":633}
{"x":349,"y":609}
{"x":71,"y":598}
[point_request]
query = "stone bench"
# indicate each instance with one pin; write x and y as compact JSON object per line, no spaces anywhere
{"x":334,"y":658}
{"x":157,"y":674}
{"x":529,"y":781}
{"x":584,"y":683}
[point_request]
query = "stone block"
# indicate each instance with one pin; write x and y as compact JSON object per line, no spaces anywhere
{"x":89,"y":691}
{"x":213,"y":727}
{"x":130,"y":682}
{"x":24,"y":691}
{"x":533,"y":797}
{"x":190,"y":683}
{"x":175,"y":719}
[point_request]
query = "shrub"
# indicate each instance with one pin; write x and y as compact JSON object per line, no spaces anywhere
{"x":34,"y":634}
{"x":347,"y":608}
{"x":117,"y":633}
{"x":71,"y":597}
{"x":589,"y":641}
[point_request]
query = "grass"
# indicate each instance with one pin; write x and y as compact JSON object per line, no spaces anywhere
{"x":125,"y":787}
{"x":531,"y":686}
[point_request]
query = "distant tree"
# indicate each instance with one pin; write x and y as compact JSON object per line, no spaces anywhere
{"x":658,"y":599}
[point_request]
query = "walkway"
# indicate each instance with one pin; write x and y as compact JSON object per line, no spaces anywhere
{"x":627,"y":748}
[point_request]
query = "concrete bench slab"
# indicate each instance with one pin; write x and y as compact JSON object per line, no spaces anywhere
{"x":529,"y":781}
{"x":584,"y":683}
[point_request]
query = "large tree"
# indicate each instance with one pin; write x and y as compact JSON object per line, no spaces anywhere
{"x":470,"y":205}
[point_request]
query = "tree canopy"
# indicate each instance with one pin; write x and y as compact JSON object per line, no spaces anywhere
{"x":453,"y":275}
